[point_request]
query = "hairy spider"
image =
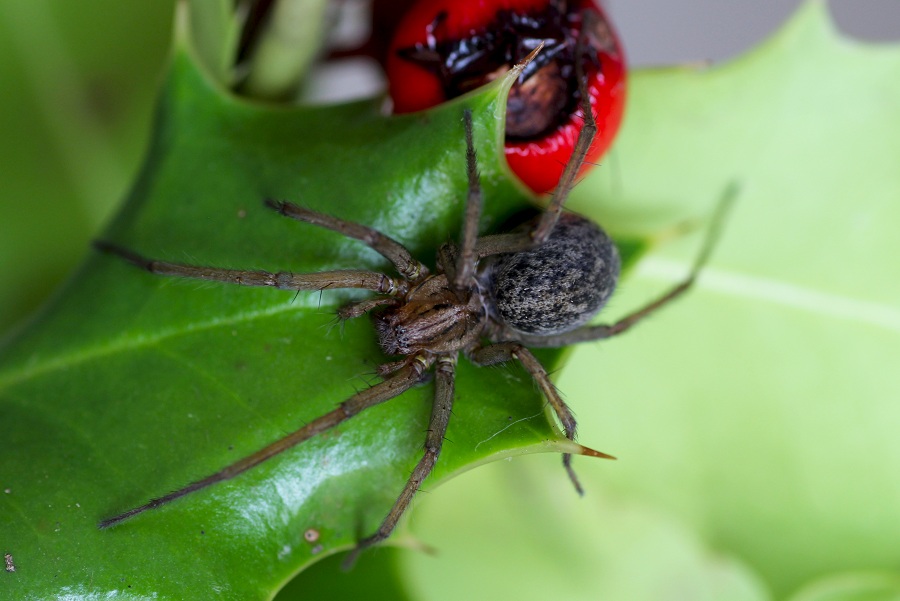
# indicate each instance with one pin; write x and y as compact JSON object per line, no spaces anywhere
{"x":490,"y":298}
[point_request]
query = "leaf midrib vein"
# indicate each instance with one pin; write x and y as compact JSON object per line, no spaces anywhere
{"x":134,"y":342}
{"x":187,"y":363}
{"x":778,"y":293}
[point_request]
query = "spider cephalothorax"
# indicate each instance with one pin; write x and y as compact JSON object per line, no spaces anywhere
{"x":432,"y":318}
{"x":489,"y":298}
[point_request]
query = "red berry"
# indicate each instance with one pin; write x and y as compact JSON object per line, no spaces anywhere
{"x":444,"y":48}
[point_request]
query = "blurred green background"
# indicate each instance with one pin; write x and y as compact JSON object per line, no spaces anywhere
{"x":77,"y":87}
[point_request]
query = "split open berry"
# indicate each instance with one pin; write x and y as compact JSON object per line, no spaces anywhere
{"x":445,"y":48}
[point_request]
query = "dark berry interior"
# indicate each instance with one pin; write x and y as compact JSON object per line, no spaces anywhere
{"x":546,"y":93}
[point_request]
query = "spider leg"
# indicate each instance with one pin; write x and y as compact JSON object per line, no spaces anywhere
{"x":464,"y":271}
{"x":518,"y":242}
{"x":390,"y":249}
{"x":459,"y":261}
{"x":440,"y":416}
{"x":601,"y":331}
{"x":403,"y":380}
{"x":582,"y":144}
{"x":496,"y":244}
{"x":507,"y":351}
{"x":362,"y":307}
{"x":349,"y":278}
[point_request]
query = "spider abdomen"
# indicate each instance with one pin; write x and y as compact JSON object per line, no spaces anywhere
{"x":559,"y":285}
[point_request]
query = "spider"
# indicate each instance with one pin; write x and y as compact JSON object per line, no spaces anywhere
{"x":490,"y":298}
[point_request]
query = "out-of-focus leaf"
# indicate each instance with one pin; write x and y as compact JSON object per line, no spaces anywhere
{"x":858,"y":586}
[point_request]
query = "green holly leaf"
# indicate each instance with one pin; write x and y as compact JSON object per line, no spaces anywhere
{"x":130,"y":385}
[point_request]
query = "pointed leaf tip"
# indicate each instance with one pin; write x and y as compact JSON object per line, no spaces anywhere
{"x":589,"y":452}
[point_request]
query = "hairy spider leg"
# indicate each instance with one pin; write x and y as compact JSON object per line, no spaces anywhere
{"x":406,"y":265}
{"x":466,"y":261}
{"x":404,"y":379}
{"x":601,"y":331}
{"x":583,"y":143}
{"x":444,"y":386}
{"x":502,"y":352}
{"x":360,"y":308}
{"x":460,"y":262}
{"x":283,"y":280}
{"x":517,"y":242}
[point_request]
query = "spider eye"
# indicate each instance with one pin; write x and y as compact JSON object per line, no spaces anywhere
{"x":560,"y":285}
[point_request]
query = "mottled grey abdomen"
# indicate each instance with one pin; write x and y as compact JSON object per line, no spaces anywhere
{"x":562,"y":284}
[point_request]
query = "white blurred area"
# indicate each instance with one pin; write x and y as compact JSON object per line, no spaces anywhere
{"x":660,"y":32}
{"x":654,"y":32}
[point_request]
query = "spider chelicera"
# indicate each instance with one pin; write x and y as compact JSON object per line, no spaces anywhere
{"x":490,"y":298}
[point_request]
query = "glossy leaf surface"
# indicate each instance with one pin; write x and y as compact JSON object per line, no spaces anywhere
{"x":130,"y":385}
